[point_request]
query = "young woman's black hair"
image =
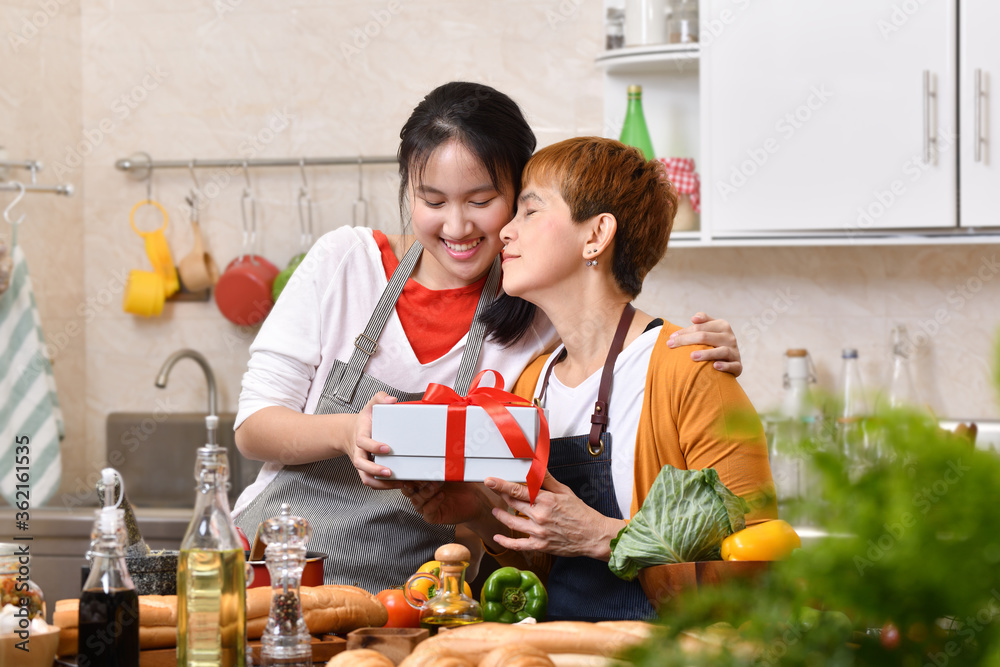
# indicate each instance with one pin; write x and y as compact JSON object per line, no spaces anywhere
{"x":491,"y":126}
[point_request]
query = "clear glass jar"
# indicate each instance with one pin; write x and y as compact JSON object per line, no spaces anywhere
{"x":614,"y":26}
{"x":682,"y":27}
{"x":16,"y":586}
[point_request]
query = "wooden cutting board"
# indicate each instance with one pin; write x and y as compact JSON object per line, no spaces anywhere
{"x":324,"y":648}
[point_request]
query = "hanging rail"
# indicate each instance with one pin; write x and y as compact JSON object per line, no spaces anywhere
{"x":12,"y":186}
{"x":34,"y":166}
{"x":140,"y":166}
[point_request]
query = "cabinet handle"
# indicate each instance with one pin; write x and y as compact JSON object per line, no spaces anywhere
{"x":978,"y":109}
{"x":930,"y":133}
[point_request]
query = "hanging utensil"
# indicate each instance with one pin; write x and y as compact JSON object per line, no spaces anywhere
{"x":243,"y":292}
{"x":197,"y":269}
{"x":7,"y":253}
{"x":360,"y":211}
{"x":305,"y":234}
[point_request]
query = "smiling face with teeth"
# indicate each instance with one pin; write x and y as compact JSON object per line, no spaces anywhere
{"x":457,"y":215}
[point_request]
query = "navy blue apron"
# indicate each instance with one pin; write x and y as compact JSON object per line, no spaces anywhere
{"x":582,"y":588}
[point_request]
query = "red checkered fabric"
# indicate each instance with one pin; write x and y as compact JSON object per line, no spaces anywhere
{"x":680,"y":171}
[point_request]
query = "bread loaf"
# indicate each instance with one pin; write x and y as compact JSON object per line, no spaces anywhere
{"x":362,"y":657}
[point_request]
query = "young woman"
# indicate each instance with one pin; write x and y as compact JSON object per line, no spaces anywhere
{"x":593,"y":218}
{"x":365,"y":313}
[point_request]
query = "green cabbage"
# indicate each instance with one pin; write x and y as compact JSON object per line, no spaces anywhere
{"x":684,"y":518}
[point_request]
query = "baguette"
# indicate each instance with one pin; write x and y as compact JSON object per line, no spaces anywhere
{"x":325,"y":609}
{"x":159,"y":636}
{"x":154,"y":611}
{"x":475,"y":641}
{"x":516,"y":655}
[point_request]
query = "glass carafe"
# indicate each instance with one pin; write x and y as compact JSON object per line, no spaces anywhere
{"x":449,"y":607}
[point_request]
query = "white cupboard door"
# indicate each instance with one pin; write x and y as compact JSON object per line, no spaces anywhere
{"x":829,"y":116}
{"x":979,"y":105}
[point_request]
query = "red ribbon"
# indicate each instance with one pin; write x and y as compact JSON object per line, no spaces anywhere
{"x":495,"y":402}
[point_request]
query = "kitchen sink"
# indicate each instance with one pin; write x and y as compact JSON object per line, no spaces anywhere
{"x":155,"y":453}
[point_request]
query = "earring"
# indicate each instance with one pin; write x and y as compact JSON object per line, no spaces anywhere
{"x":591,"y":262}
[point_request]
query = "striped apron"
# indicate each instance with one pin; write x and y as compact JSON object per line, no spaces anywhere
{"x":582,"y":588}
{"x":373,"y":538}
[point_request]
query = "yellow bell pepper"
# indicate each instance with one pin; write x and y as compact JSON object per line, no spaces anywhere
{"x":772,"y":540}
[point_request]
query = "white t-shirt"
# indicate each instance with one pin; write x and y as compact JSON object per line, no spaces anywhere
{"x":325,"y":305}
{"x":570,"y":409}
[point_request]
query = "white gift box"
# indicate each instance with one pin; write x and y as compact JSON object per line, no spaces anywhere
{"x":417,"y":436}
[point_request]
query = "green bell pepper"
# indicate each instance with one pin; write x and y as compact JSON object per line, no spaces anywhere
{"x":510,"y":595}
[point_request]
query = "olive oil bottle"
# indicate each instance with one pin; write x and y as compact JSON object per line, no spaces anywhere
{"x":211,"y":574}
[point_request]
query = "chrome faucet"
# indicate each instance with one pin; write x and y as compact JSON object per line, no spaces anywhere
{"x":212,"y":420}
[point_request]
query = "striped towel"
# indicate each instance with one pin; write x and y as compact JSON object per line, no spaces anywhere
{"x":29,"y":408}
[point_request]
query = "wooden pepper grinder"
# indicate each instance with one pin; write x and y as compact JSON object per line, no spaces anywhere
{"x":449,"y":607}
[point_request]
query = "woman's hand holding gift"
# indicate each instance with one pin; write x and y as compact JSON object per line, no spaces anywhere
{"x":365,"y":448}
{"x":558,"y":523}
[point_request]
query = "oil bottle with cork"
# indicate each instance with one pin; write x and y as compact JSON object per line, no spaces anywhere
{"x":211,"y":574}
{"x":449,"y":607}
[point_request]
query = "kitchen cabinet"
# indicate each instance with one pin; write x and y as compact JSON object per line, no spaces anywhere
{"x":831,"y":117}
{"x":979,"y":63}
{"x":850,"y":122}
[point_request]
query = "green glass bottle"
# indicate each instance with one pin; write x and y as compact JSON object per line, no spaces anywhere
{"x":634,"y":131}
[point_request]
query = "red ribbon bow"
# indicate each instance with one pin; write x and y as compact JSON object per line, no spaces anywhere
{"x":495,"y":402}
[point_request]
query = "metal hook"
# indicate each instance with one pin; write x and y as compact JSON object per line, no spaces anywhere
{"x":197,"y":185}
{"x":17,"y":199}
{"x":194,"y":199}
{"x":305,"y":219}
{"x":249,"y":230}
{"x":149,"y":174}
{"x":359,"y":203}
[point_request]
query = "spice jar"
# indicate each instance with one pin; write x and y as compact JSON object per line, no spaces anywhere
{"x":16,"y":587}
{"x":286,"y":639}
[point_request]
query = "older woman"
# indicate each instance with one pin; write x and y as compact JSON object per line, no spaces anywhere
{"x":592,"y":219}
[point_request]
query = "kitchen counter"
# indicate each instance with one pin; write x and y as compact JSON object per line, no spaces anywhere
{"x":61,"y":538}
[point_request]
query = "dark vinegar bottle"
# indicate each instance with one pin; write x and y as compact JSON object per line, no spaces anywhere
{"x":106,"y":620}
{"x":109,"y":604}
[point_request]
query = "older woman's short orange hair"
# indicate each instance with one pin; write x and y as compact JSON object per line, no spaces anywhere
{"x":594,"y":176}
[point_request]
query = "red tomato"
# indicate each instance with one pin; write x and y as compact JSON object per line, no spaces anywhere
{"x":401,"y":614}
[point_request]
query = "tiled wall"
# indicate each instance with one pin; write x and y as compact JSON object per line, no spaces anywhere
{"x":184,"y":79}
{"x":40,"y":114}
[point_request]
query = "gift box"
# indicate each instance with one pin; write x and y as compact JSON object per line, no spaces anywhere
{"x":448,"y":437}
{"x":418,"y":437}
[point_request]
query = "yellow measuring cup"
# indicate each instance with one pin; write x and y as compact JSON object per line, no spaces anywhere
{"x":157,"y":249}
